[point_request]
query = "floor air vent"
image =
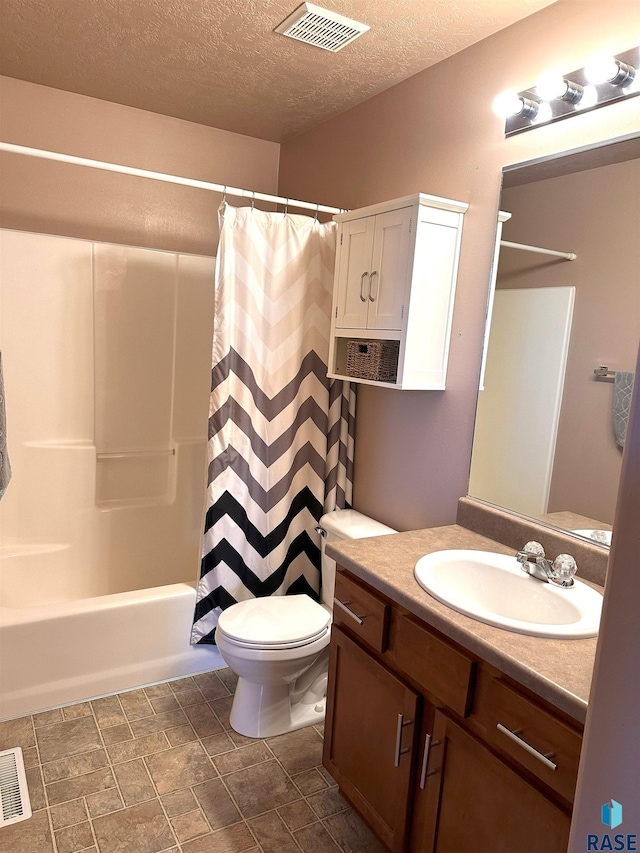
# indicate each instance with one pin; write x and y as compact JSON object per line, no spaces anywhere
{"x":14,"y":795}
{"x":321,"y":28}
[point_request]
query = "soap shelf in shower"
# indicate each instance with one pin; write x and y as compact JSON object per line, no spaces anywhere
{"x":131,"y":477}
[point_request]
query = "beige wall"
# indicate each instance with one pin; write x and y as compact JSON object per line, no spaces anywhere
{"x":57,"y":198}
{"x":436,"y":133}
{"x":585,"y":213}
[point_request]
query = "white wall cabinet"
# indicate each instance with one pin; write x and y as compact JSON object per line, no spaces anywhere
{"x":396,"y":269}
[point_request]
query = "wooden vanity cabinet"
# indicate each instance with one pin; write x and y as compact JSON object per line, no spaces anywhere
{"x":413,"y":740}
{"x":473,"y":802}
{"x":369,"y":738}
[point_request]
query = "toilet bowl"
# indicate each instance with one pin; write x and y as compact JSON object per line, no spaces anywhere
{"x":279,"y":646}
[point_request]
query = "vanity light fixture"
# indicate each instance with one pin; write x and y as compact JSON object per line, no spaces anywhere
{"x":604,"y":80}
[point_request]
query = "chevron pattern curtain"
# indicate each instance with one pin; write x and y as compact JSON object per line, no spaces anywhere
{"x":280,"y":432}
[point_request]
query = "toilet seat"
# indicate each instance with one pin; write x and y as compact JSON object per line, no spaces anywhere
{"x":275,"y":647}
{"x":279,"y":622}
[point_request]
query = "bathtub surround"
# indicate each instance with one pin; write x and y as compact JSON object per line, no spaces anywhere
{"x":102,"y":522}
{"x":108,"y":447}
{"x":161,"y":769}
{"x":280,"y":433}
{"x":5,"y":467}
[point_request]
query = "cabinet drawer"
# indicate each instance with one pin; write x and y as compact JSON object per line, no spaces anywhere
{"x":441,"y":669}
{"x":361,"y":611}
{"x":531,"y":735}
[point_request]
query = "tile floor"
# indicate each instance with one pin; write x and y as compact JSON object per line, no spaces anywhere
{"x":160,"y":769}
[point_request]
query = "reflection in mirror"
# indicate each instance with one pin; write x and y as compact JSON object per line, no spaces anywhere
{"x":545,"y":445}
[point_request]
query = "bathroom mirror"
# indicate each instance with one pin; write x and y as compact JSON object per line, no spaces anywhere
{"x":544,"y":442}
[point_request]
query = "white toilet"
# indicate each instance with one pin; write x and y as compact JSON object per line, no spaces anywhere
{"x":279,"y":646}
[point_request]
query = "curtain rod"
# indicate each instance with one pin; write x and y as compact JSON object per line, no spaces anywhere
{"x":160,"y":176}
{"x":569,"y":256}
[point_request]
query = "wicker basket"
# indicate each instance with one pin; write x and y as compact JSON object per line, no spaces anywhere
{"x":375,"y":360}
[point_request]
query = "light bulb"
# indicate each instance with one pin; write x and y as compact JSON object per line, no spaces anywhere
{"x":551,"y":85}
{"x":601,"y":68}
{"x":544,"y":114}
{"x":507,"y":104}
{"x":589,"y":98}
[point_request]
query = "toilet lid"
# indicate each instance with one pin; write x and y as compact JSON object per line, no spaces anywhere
{"x":283,"y":619}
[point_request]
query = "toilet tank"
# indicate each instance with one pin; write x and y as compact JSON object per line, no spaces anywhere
{"x":336,"y":526}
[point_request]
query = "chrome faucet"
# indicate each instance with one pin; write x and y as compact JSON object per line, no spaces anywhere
{"x":533,"y":561}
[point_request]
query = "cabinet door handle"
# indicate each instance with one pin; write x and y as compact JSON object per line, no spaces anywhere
{"x":363,"y":298}
{"x":513,"y":735}
{"x":371,"y":275}
{"x":399,"y":751}
{"x":343,"y":606}
{"x":425,"y":760}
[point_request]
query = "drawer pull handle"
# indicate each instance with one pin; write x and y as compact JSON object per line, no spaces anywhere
{"x":513,"y":735}
{"x":343,"y":606}
{"x":425,"y":760}
{"x":399,"y":751}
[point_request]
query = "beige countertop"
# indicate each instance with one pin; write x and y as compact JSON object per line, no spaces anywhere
{"x":556,"y":670}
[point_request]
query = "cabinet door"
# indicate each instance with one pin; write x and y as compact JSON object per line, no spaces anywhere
{"x":353,"y":274}
{"x":390,"y":269}
{"x":367,"y":749}
{"x":477,"y":804}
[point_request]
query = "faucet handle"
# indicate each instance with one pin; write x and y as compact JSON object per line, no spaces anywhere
{"x":564,"y":568}
{"x":530,"y":556}
{"x":534,"y":548}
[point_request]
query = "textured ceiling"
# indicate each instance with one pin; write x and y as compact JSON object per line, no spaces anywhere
{"x":219,"y":63}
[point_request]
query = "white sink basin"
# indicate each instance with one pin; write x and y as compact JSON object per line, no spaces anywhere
{"x":494,"y":589}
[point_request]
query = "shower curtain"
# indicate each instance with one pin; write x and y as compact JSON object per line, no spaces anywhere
{"x":280,"y":431}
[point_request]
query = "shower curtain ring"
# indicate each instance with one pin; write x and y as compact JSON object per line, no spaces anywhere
{"x":317,"y":212}
{"x":224,"y":195}
{"x":286,"y":207}
{"x":253,"y":200}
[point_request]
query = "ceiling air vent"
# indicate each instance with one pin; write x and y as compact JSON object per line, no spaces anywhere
{"x":321,"y":28}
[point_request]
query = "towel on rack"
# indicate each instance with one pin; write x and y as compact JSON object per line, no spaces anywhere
{"x":5,"y":467}
{"x":623,"y":386}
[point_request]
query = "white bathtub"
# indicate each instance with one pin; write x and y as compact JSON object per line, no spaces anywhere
{"x":55,"y":654}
